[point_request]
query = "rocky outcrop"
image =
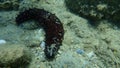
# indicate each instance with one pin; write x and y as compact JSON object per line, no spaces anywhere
{"x":96,"y":9}
{"x":14,"y":56}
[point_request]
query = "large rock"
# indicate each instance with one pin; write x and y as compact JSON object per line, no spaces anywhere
{"x":14,"y":56}
{"x":96,"y":9}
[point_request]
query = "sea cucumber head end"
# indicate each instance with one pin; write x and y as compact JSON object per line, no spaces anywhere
{"x":51,"y":51}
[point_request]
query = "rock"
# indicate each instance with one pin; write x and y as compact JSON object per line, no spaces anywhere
{"x":14,"y":56}
{"x":9,"y":4}
{"x":79,"y":51}
{"x":2,"y":41}
{"x":95,"y":9}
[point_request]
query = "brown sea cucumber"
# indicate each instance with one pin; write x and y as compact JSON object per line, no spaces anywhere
{"x":52,"y":26}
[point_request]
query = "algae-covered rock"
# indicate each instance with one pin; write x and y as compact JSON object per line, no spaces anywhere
{"x":14,"y":56}
{"x":96,"y":9}
{"x":9,"y":4}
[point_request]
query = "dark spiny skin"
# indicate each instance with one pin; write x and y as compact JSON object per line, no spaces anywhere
{"x":51,"y":25}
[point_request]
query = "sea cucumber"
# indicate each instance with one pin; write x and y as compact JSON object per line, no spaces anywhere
{"x":52,"y":26}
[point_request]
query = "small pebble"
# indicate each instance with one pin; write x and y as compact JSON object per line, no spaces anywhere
{"x":91,"y":54}
{"x":42,"y":45}
{"x":2,"y":41}
{"x":79,"y":51}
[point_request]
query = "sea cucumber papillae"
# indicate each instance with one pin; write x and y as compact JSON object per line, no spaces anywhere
{"x":52,"y":26}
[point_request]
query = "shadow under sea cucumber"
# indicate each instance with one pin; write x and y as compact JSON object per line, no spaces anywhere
{"x":52,"y":26}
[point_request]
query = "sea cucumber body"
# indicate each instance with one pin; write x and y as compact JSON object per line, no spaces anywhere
{"x":52,"y":26}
